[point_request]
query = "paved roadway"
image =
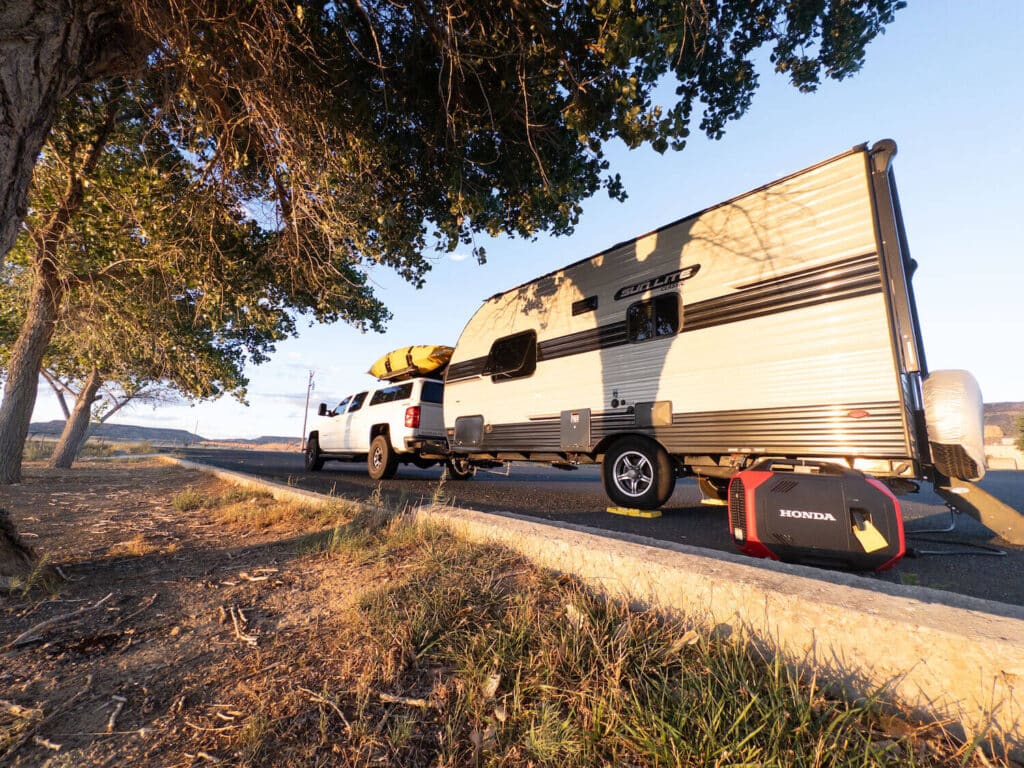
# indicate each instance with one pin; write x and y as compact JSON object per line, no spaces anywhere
{"x":577,"y":497}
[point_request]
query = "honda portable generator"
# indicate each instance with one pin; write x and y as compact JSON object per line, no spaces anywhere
{"x":815,"y":514}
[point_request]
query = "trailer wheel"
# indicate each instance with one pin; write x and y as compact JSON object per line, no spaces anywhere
{"x":314,"y":461}
{"x":381,"y":461}
{"x":637,"y":473}
{"x":458,"y":468}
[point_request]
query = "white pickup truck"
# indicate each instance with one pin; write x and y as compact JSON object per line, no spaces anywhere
{"x":399,"y":422}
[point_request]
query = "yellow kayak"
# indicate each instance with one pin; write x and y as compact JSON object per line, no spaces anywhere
{"x":411,"y":361}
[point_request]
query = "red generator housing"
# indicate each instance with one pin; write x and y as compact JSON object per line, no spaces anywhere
{"x":816,"y":514}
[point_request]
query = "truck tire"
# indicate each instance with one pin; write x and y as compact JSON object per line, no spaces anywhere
{"x":314,"y":460}
{"x":637,"y":473}
{"x":381,"y":461}
{"x":458,"y":468}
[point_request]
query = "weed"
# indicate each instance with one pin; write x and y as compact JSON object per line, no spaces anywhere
{"x":37,"y":450}
{"x":239,"y":494}
{"x":376,"y":498}
{"x":189,"y":500}
{"x":439,"y":497}
{"x":254,"y":738}
{"x":98,"y":448}
{"x":138,"y":546}
{"x":42,"y":575}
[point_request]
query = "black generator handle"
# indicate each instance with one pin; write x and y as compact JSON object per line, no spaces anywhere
{"x":823,"y":467}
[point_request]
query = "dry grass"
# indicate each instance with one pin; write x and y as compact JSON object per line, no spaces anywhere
{"x":253,"y":509}
{"x":140,"y":546}
{"x":41,"y":450}
{"x":284,"y":635}
{"x":470,"y":656}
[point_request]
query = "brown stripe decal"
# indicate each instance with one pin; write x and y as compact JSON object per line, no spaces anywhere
{"x":857,"y":277}
{"x":821,"y":430}
{"x":848,"y":279}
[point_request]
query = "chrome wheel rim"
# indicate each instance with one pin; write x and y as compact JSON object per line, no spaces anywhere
{"x":378,"y":458}
{"x":633,"y":474}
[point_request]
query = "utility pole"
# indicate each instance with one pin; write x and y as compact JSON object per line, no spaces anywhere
{"x":305,"y":413}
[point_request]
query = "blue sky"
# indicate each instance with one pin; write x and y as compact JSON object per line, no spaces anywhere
{"x":945,"y":81}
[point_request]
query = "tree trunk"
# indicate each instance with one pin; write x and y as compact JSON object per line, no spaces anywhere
{"x":16,"y":557}
{"x":76,"y":428}
{"x":26,"y":359}
{"x":47,"y":49}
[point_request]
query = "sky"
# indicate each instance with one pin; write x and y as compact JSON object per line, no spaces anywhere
{"x":945,"y":82}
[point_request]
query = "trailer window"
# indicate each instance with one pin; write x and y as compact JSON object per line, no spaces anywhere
{"x":653,"y":319}
{"x":512,"y":357}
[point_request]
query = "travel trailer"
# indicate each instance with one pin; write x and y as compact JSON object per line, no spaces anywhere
{"x":779,"y":325}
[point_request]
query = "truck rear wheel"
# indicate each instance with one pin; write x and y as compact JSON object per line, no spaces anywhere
{"x":381,"y":461}
{"x":637,"y":473}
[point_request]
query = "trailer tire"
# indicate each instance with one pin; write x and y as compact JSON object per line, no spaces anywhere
{"x":381,"y":461}
{"x":637,"y":473}
{"x":314,"y":460}
{"x":458,"y":468}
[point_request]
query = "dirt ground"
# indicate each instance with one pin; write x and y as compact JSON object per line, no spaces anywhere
{"x":171,"y":619}
{"x":199,"y":624}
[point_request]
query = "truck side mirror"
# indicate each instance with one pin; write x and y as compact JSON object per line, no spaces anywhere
{"x":322,"y":410}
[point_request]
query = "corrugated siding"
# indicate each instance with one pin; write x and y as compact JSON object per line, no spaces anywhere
{"x":748,"y":251}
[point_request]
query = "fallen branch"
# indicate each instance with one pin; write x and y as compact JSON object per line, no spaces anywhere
{"x":238,"y":620}
{"x":146,"y":604}
{"x":324,"y":700}
{"x":34,"y":730}
{"x":46,"y":743}
{"x":118,"y":706}
{"x":389,"y":699}
{"x":16,"y":710}
{"x":34,"y":634}
{"x":262,"y":574}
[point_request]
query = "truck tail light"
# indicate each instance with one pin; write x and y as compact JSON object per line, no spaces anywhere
{"x":412,"y":416}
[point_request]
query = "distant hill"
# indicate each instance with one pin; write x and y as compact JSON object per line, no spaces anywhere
{"x":1004,"y":416}
{"x":131,"y":433}
{"x":123,"y":432}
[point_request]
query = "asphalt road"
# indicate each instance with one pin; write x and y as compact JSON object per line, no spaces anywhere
{"x":960,"y":561}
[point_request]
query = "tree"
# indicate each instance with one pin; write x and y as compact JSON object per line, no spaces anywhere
{"x":146,"y":242}
{"x":371,"y":130}
{"x":143,"y":347}
{"x":455,"y":116}
{"x":1020,"y":433}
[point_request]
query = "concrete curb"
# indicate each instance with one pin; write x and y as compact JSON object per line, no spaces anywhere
{"x":951,"y":657}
